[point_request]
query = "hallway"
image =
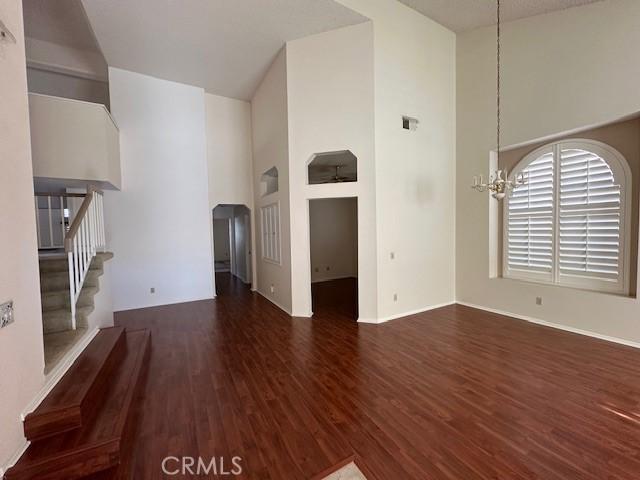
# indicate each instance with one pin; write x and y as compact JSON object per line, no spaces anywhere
{"x":452,"y":393}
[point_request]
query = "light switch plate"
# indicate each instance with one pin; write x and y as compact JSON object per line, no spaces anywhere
{"x":6,"y":314}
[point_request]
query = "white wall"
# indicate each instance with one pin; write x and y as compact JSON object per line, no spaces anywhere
{"x":415,"y":75}
{"x":21,"y":351}
{"x":271,"y":148}
{"x":74,"y":140}
{"x":331,"y":107}
{"x":334,"y":238}
{"x":229,"y":153}
{"x":222,"y":250}
{"x":242,"y":243}
{"x":159,"y":225}
{"x":102,"y":315}
{"x":562,"y":71}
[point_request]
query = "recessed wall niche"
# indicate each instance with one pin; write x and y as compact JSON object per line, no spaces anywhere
{"x":333,"y":167}
{"x":269,"y":182}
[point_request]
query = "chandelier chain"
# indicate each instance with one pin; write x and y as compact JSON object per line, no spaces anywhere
{"x":498,"y":80}
{"x":499,"y":183}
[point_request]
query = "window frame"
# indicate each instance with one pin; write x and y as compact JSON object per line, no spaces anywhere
{"x":622,"y":176}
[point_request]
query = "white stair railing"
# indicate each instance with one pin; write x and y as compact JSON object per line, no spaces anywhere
{"x":83,"y":240}
{"x":52,"y":218}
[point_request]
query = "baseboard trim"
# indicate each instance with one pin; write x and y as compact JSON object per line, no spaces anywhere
{"x":14,"y":458}
{"x":557,"y":326}
{"x":177,"y":302}
{"x":404,"y":314}
{"x":275,"y":303}
{"x":54,"y":376}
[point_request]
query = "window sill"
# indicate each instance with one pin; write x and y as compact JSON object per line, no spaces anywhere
{"x":564,"y":287}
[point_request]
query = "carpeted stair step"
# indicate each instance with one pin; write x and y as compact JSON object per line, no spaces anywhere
{"x":59,"y":320}
{"x":61,"y":263}
{"x":55,"y":281}
{"x":56,"y":299}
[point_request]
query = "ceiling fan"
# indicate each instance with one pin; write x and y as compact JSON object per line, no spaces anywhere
{"x":337,"y":178}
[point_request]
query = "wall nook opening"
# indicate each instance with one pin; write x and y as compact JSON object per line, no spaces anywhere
{"x":333,"y":167}
{"x":269,"y":182}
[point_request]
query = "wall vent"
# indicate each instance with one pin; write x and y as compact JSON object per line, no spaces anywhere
{"x":410,"y":123}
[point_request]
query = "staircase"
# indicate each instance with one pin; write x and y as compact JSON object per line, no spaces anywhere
{"x":86,"y":423}
{"x":69,"y":280}
{"x":59,"y":334}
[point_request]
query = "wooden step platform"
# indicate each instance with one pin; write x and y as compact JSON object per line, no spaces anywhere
{"x":68,"y":403}
{"x":100,"y":441}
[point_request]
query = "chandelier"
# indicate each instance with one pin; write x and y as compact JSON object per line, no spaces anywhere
{"x":498,"y":183}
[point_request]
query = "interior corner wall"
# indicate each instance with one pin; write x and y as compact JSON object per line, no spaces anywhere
{"x":415,"y":75}
{"x":562,"y":71}
{"x":337,"y":66}
{"x":229,"y":154}
{"x":21,"y":348}
{"x":271,"y":149}
{"x":159,"y":225}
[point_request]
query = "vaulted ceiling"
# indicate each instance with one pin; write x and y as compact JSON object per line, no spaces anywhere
{"x":224,"y":46}
{"x":462,"y":15}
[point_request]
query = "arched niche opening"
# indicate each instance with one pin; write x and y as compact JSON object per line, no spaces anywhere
{"x":333,"y":167}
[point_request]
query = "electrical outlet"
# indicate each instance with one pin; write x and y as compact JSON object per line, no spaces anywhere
{"x":6,"y":314}
{"x":272,"y":288}
{"x":395,"y":297}
{"x":152,"y":290}
{"x":538,"y":300}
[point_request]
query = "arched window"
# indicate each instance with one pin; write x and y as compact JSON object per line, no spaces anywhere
{"x":570,"y":223}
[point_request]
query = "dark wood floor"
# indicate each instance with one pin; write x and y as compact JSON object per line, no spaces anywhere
{"x":335,"y":299}
{"x":454,"y":393}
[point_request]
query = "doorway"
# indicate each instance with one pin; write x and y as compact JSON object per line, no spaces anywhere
{"x":232,"y":247}
{"x":333,"y":233}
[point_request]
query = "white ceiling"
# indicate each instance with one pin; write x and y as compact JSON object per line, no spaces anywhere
{"x":58,"y":21}
{"x":224,"y":46}
{"x":462,"y":15}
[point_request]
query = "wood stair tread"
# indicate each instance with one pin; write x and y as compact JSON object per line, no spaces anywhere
{"x":99,"y":444}
{"x":68,"y":402}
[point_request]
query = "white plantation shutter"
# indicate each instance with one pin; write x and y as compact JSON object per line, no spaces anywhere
{"x":530,"y":222}
{"x":568,"y":224}
{"x":590,"y":208}
{"x":270,"y":225}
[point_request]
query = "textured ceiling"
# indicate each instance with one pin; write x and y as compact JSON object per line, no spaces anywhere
{"x":224,"y":46}
{"x":58,"y":21}
{"x":462,"y":15}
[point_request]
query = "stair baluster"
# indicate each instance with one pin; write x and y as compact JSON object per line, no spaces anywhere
{"x":83,"y":240}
